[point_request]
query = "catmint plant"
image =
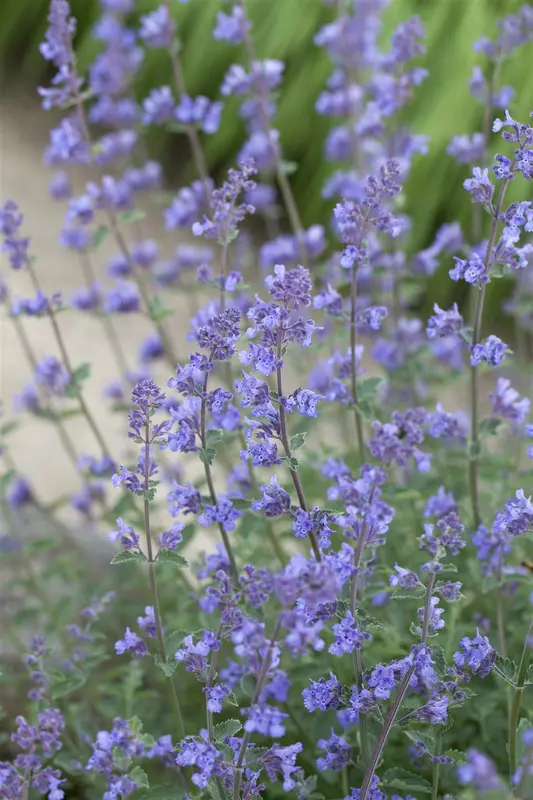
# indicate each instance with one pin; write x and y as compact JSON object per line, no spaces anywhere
{"x":291,"y":602}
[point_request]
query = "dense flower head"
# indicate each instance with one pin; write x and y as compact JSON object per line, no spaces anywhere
{"x":476,"y":656}
{"x":227,"y":213}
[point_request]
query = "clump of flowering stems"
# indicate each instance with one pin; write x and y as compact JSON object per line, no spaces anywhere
{"x":344,"y":669}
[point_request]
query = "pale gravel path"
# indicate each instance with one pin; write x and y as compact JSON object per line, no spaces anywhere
{"x":24,"y":177}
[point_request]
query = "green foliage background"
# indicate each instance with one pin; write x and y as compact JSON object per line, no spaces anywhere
{"x":284,"y":29}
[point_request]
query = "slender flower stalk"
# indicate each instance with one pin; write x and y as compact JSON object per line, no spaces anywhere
{"x":191,"y":131}
{"x":287,"y":448}
{"x":474,"y":387}
{"x":109,"y":327}
{"x":62,"y":432}
{"x":398,"y":700}
{"x":258,"y":689}
{"x":284,"y":185}
{"x":153,"y":579}
{"x":91,"y":421}
{"x":516,"y":703}
{"x":436,"y":768}
{"x":115,"y":227}
{"x":211,"y":485}
{"x":353,"y":350}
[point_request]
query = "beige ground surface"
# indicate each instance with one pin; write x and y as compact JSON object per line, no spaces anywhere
{"x":24,"y":177}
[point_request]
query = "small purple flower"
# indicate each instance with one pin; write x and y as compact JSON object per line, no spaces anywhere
{"x":444,"y":323}
{"x":476,"y":655}
{"x":348,"y":636}
{"x":338,"y":753}
{"x":382,"y":682}
{"x":405,"y":578}
{"x":479,"y":771}
{"x":215,"y":696}
{"x":131,"y":643}
{"x":322,"y":694}
{"x":157,"y":29}
{"x":471,"y":270}
{"x":506,"y":402}
{"x":491,"y":351}
{"x":266,"y":720}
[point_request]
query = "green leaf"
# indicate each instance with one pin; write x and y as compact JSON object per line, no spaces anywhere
{"x":489,"y":426}
{"x":489,"y":583}
{"x":241,"y":503}
{"x":156,"y":309}
{"x":506,"y":669}
{"x":207,"y":455}
{"x":134,"y":215}
{"x":8,"y":427}
{"x":229,"y":727}
{"x":214,"y":792}
{"x":466,"y":334}
{"x":367,"y":389}
{"x":64,"y":683}
{"x":100,"y":235}
{"x":174,"y":640}
{"x":127,"y":556}
{"x":457,"y":755}
{"x":421,"y":733}
{"x":213,"y":437}
{"x":294,"y":464}
{"x":168,"y":667}
{"x":165,"y":793}
{"x":474,"y":450}
{"x":248,"y":684}
{"x":406,"y":782}
{"x":364,"y":409}
{"x":76,"y":379}
{"x":171,"y":557}
{"x":298,"y":440}
{"x":288,"y":167}
{"x":497,"y":271}
{"x":441,"y":665}
{"x":139,"y":776}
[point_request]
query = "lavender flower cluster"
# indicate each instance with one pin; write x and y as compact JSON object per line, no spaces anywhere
{"x":371,"y":568}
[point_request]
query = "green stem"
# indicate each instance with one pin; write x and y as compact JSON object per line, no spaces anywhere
{"x":436,"y":768}
{"x":353,"y":359}
{"x":109,"y":328}
{"x":209,"y":478}
{"x":247,"y":736}
{"x":400,"y":694}
{"x":66,"y":361}
{"x":61,"y":430}
{"x":287,"y":448}
{"x":517,"y":700}
{"x":476,"y":336}
{"x":153,"y":582}
{"x":283,"y":182}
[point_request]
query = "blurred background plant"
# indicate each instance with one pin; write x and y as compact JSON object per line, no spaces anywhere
{"x":442,"y":106}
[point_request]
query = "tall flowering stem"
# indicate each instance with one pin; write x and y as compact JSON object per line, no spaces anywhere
{"x":190,"y":130}
{"x":67,"y":363}
{"x":517,"y":700}
{"x":287,"y":447}
{"x":353,"y":350}
{"x":258,"y":689}
{"x":32,"y":360}
{"x":476,"y":337}
{"x":209,"y":480}
{"x":398,"y":700}
{"x":153,"y":578}
{"x":109,"y":328}
{"x":284,"y":185}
